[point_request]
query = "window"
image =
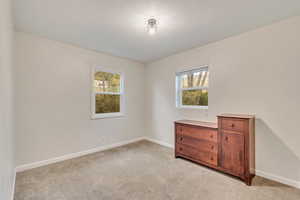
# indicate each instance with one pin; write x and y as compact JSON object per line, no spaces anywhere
{"x":108,"y":94}
{"x":192,"y":88}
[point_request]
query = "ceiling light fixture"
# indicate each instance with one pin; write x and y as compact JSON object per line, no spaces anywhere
{"x":152,"y":26}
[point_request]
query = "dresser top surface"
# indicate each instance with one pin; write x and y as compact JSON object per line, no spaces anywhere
{"x":241,"y":116}
{"x":198,"y":123}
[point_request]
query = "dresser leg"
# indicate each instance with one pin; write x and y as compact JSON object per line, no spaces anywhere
{"x":248,"y":180}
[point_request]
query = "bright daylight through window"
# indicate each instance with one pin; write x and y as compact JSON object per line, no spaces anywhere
{"x":192,"y":88}
{"x":107,"y":97}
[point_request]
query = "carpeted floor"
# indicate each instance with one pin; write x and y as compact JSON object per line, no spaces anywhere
{"x":140,"y":171}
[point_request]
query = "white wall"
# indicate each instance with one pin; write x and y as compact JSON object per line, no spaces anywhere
{"x":256,"y":73}
{"x":6,"y":102}
{"x":53,"y":84}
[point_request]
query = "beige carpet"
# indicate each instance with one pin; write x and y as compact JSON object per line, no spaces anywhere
{"x":140,"y":171}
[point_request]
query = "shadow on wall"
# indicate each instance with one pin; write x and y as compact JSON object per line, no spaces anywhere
{"x":273,"y":155}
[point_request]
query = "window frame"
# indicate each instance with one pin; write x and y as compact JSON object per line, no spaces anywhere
{"x":94,"y":115}
{"x":179,"y":89}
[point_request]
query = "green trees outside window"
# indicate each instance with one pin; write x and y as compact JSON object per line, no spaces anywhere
{"x":195,"y":97}
{"x":107,"y":103}
{"x":193,"y":88}
{"x":107,"y":89}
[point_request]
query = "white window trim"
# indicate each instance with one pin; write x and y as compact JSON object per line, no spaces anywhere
{"x":179,"y":89}
{"x":94,"y":115}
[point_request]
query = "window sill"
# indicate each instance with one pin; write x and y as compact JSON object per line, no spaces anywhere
{"x":108,"y":115}
{"x":193,"y":107}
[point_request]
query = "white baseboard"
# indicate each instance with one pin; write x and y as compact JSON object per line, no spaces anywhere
{"x":279,"y":179}
{"x":74,"y":155}
{"x":160,"y":142}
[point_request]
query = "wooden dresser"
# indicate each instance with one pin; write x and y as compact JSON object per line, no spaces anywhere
{"x":227,"y":146}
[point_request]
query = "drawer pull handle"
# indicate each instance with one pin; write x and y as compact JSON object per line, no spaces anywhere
{"x":212,"y":147}
{"x":181,"y":138}
{"x":211,"y":158}
{"x":226,"y":139}
{"x":232,"y":125}
{"x":180,"y":149}
{"x":211,"y":136}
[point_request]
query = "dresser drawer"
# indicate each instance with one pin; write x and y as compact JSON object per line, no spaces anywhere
{"x":232,"y":124}
{"x":190,"y":152}
{"x":200,"y":145}
{"x":198,"y":133}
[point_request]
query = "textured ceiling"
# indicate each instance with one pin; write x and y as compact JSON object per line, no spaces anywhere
{"x":118,"y":27}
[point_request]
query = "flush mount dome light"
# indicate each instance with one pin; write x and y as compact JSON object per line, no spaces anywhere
{"x":152,"y":26}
